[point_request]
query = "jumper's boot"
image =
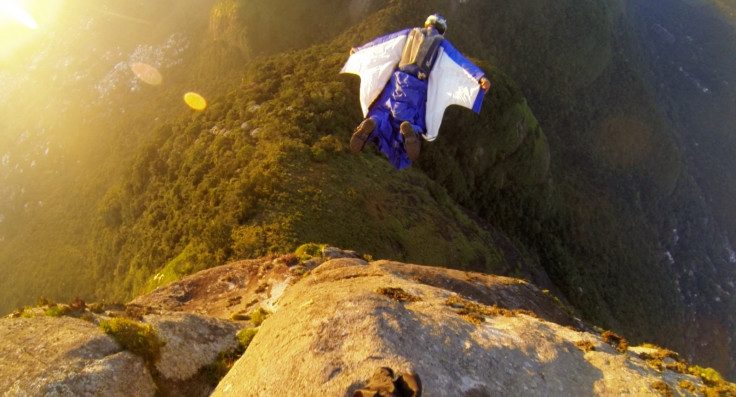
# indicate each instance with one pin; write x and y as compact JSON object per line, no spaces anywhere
{"x":384,"y":383}
{"x":411,"y":141}
{"x":409,"y":384}
{"x":361,"y":134}
{"x":381,"y":384}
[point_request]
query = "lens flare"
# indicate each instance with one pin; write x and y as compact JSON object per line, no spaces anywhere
{"x":195,"y":101}
{"x":146,"y":73}
{"x":8,"y":7}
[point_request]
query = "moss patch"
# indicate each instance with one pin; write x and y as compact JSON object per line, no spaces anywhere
{"x":398,"y":294}
{"x":663,"y":388}
{"x":585,"y":345}
{"x":618,"y":342}
{"x":475,"y":312}
{"x":687,"y":385}
{"x":657,"y":359}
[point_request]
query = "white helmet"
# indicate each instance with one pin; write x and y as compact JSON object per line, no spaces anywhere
{"x":438,"y":22}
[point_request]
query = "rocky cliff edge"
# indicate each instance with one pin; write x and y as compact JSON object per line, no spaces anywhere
{"x":323,"y":326}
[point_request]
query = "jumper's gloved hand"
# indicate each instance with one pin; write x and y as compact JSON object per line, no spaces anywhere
{"x":485,"y":84}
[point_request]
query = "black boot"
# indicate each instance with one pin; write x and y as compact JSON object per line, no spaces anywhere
{"x":380,"y":385}
{"x":361,"y":134}
{"x":384,"y":383}
{"x":411,"y":141}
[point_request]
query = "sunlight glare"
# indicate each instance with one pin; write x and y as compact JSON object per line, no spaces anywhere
{"x":195,"y":101}
{"x":8,"y":7}
{"x":24,"y":23}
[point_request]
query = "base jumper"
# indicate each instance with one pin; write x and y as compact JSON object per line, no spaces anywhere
{"x":407,"y":79}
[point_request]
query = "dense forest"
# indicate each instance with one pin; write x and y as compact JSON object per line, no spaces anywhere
{"x":598,"y":167}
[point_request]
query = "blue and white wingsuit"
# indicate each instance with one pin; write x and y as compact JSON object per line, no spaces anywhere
{"x":390,"y":95}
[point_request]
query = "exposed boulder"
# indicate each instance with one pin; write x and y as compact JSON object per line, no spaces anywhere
{"x":223,"y":291}
{"x":457,"y":330}
{"x":192,"y":342}
{"x":66,"y":356}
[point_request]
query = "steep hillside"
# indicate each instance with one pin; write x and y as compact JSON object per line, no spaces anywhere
{"x":266,"y":169}
{"x":580,"y":165}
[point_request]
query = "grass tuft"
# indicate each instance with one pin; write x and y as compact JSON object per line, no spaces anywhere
{"x":140,"y":339}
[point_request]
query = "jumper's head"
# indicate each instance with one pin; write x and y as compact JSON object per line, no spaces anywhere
{"x":438,"y":22}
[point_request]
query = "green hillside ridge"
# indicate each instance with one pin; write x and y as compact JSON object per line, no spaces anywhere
{"x":572,"y":160}
{"x":266,"y":169}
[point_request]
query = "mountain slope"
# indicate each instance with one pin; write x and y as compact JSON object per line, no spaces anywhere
{"x":266,"y":169}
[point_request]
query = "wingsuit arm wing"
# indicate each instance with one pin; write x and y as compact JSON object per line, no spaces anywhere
{"x":374,"y":62}
{"x":453,"y":81}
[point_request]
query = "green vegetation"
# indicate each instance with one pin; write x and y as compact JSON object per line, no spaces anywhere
{"x":259,"y":316}
{"x":656,"y":360}
{"x":246,"y":336}
{"x":140,"y":339}
{"x":398,"y":294}
{"x":56,"y":311}
{"x":210,"y":190}
{"x":22,"y":312}
{"x":309,"y":250}
{"x":475,"y":312}
{"x":715,"y":385}
{"x":585,"y":346}
{"x":559,"y":303}
{"x":213,"y":373}
{"x":663,"y":388}
{"x":687,"y":385}
{"x":619,"y":343}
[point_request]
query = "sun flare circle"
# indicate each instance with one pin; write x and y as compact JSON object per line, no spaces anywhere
{"x":195,"y":101}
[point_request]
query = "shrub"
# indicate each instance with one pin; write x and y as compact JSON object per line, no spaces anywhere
{"x":308,"y":250}
{"x":708,"y":375}
{"x":239,"y":317}
{"x":259,"y":316}
{"x":246,"y":336}
{"x":56,"y":311}
{"x":714,"y":384}
{"x":139,"y":339}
